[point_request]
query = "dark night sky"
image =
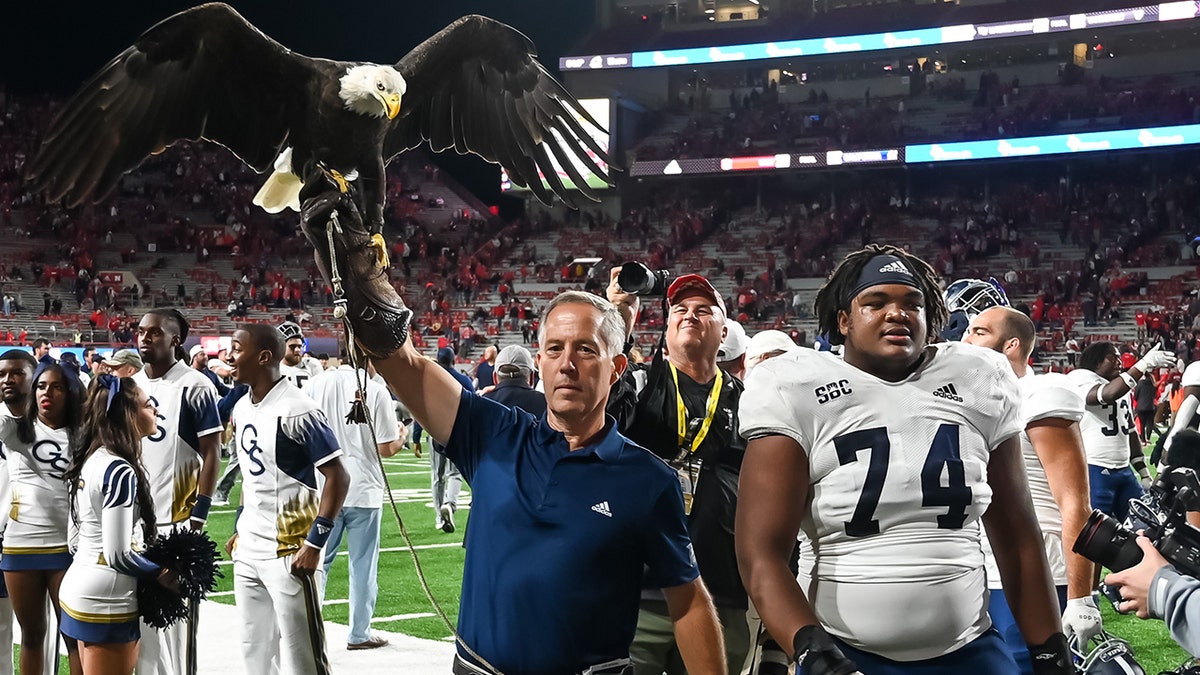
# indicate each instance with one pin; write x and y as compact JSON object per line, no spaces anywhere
{"x":53,"y":46}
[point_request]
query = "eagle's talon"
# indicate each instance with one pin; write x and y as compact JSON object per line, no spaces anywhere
{"x":380,"y":247}
{"x":337,"y":177}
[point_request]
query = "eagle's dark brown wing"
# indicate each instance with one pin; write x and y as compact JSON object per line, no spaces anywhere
{"x":203,"y":73}
{"x":476,"y":87}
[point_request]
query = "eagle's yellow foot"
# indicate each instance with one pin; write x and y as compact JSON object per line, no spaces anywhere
{"x":380,"y":247}
{"x":342,"y":183}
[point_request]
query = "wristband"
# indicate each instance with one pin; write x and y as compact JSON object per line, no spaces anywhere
{"x":200,"y":509}
{"x":1052,"y":657}
{"x":319,"y":533}
{"x":1128,"y":379}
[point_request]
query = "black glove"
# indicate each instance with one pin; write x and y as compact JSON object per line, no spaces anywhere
{"x":1052,"y":657}
{"x":374,"y":309}
{"x":816,"y":654}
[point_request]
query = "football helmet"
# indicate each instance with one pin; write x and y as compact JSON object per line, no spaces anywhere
{"x":1110,"y":656}
{"x":966,"y":299}
{"x":290,"y":330}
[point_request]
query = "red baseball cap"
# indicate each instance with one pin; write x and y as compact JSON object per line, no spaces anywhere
{"x":690,"y":282}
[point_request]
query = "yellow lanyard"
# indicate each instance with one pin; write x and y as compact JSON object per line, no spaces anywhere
{"x":709,"y":414}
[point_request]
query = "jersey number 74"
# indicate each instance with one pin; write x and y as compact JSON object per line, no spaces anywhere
{"x":943,"y":454}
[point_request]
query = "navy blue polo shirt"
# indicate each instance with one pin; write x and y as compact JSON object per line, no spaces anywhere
{"x":559,"y":540}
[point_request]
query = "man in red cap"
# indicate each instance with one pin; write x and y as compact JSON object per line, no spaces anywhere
{"x":686,"y":413}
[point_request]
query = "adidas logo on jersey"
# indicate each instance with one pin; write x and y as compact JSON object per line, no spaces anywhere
{"x":947,"y":391}
{"x":602,"y":509}
{"x":895,"y":266}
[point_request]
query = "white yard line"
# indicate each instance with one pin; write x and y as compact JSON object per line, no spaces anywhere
{"x":402,"y":617}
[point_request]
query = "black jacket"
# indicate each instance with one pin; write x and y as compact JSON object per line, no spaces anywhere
{"x":650,"y":419}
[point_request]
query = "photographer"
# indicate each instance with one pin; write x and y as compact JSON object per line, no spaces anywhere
{"x":686,"y":413}
{"x":1156,"y":569}
{"x":1153,"y":588}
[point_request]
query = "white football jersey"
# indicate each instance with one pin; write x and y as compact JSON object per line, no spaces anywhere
{"x":40,"y":499}
{"x":1191,"y":375}
{"x":1105,"y":426}
{"x":898,"y":480}
{"x":281,"y":440}
{"x":312,"y":365}
{"x":1048,"y":396}
{"x":297,"y":375}
{"x":187,"y":412}
{"x":333,"y":392}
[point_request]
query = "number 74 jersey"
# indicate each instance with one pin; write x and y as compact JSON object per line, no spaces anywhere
{"x":898,"y":482}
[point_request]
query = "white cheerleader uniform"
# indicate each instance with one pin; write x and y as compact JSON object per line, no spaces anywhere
{"x":36,"y":536}
{"x":99,"y":592}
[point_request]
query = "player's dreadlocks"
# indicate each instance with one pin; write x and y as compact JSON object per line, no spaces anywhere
{"x":832,"y":297}
{"x":1094,"y":354}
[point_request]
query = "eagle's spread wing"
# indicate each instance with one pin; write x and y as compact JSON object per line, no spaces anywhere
{"x":476,"y":87}
{"x":203,"y":73}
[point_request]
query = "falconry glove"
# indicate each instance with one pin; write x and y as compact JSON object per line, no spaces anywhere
{"x":354,"y":261}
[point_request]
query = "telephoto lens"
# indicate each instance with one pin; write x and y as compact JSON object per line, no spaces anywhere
{"x":637,"y":279}
{"x":1106,"y":542}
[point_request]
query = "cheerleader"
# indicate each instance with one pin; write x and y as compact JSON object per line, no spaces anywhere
{"x":110,"y":500}
{"x":38,"y":441}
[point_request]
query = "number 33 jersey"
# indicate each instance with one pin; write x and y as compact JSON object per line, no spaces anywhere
{"x":897,"y":485}
{"x":1106,"y":426}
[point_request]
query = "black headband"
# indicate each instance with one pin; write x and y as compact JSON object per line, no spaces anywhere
{"x":882,"y":269}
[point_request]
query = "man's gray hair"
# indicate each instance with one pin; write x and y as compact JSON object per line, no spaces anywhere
{"x":612,"y":325}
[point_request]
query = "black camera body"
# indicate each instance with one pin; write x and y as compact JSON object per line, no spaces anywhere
{"x":637,"y":279}
{"x":1161,"y":514}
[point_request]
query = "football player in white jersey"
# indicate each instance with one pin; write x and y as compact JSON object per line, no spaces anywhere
{"x":295,"y":368}
{"x":182,"y":459}
{"x":1056,"y":466}
{"x":283,"y":440}
{"x":888,"y":461}
{"x":1109,"y":436}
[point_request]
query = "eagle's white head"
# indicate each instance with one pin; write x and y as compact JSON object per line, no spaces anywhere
{"x":373,"y":90}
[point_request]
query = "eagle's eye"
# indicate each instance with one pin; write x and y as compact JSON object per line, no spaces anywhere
{"x":379,"y":86}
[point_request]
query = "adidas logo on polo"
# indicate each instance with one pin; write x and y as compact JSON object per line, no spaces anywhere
{"x":895,"y":266}
{"x":602,"y":509}
{"x":947,"y":391}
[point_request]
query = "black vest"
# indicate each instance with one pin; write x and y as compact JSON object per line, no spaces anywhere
{"x":650,"y":419}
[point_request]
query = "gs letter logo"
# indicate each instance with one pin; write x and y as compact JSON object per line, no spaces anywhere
{"x":833,"y":390}
{"x":51,"y":454}
{"x":159,"y":433}
{"x":249,"y":443}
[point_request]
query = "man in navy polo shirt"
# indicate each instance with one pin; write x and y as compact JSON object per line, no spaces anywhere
{"x":568,"y":512}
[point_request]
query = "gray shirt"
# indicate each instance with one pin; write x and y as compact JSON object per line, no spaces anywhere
{"x":1171,"y":600}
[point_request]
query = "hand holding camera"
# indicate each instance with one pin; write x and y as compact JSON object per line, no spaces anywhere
{"x":1133,"y":583}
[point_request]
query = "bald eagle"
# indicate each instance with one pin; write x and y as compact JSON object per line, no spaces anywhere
{"x":207,"y":73}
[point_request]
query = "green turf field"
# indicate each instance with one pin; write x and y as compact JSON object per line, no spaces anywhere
{"x":403,"y":608}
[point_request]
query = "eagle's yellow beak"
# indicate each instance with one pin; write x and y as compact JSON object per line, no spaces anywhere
{"x":392,"y":103}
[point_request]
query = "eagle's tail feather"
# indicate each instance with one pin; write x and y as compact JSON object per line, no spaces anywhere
{"x":281,"y":191}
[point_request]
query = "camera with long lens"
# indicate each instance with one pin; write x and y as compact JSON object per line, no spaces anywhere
{"x":1161,"y":513}
{"x":637,"y":279}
